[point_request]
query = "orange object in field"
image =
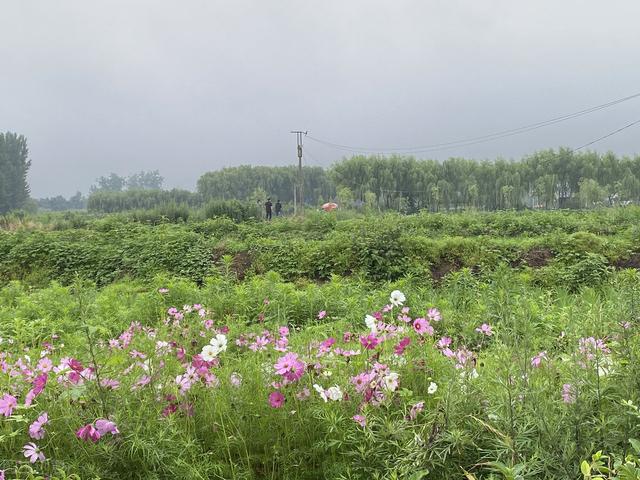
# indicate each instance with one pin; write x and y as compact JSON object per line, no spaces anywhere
{"x":327,"y":207}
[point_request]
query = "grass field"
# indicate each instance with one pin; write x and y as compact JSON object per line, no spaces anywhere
{"x":438,"y":346}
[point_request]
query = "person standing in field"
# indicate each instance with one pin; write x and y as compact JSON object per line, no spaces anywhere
{"x":267,"y":208}
{"x":278,"y":208}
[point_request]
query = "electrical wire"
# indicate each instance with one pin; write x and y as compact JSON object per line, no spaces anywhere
{"x":478,"y":139}
{"x":606,"y":136}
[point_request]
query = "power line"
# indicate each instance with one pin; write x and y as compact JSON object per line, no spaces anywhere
{"x":478,"y":139}
{"x":606,"y":136}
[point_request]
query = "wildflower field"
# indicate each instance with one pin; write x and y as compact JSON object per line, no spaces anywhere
{"x":501,"y":346}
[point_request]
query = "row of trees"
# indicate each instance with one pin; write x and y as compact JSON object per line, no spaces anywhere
{"x":14,"y":166}
{"x":257,"y":182}
{"x":151,"y":180}
{"x":126,"y":190}
{"x":547,"y":179}
{"x":110,"y":202}
{"x":60,"y":203}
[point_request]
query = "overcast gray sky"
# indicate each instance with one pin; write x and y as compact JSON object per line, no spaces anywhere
{"x":195,"y":85}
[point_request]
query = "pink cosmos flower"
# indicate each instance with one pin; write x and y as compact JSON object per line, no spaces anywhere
{"x":276,"y":399}
{"x":281,"y":344}
{"x":415,"y":410}
{"x":422,"y":326}
{"x":485,"y":329}
{"x":109,"y":383}
{"x":462,"y":356}
{"x":321,"y":314}
{"x":434,"y":315}
{"x":537,"y":360}
{"x":360,"y":420}
{"x":88,"y":433}
{"x":326,"y":345}
{"x":348,"y":353}
{"x":283,"y":331}
{"x":32,"y":452}
{"x":346,"y":337}
{"x":290,"y":367}
{"x":591,"y":346}
{"x":370,"y":342}
{"x":361,"y":381}
{"x":45,"y":365}
{"x":444,"y":342}
{"x":303,"y":394}
{"x":260,"y":343}
{"x":568,"y":393}
{"x":7,"y":404}
{"x":36,"y":430}
{"x":104,"y":426}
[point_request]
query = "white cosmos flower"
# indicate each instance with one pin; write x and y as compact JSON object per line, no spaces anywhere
{"x":397,"y":298}
{"x":391,"y":381}
{"x":371,"y":323}
{"x":219,"y":342}
{"x":432,"y":388}
{"x":334,"y":393}
{"x":208,"y":353}
{"x":321,"y":391}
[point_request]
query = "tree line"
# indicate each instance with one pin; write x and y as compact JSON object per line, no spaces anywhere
{"x":547,"y":180}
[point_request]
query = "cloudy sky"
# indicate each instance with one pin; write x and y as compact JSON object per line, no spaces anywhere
{"x":195,"y":85}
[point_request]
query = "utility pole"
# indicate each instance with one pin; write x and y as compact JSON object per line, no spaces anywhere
{"x":299,"y":195}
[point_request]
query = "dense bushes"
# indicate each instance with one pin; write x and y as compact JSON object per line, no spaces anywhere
{"x":564,"y":248}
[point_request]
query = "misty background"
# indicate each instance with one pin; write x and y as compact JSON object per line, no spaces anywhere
{"x":193,"y":86}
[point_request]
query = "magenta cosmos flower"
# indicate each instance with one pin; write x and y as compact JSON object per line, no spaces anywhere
{"x":322,"y":314}
{"x":400,"y":347}
{"x":276,"y":399}
{"x":290,"y":367}
{"x":369,"y":342}
{"x":88,"y":433}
